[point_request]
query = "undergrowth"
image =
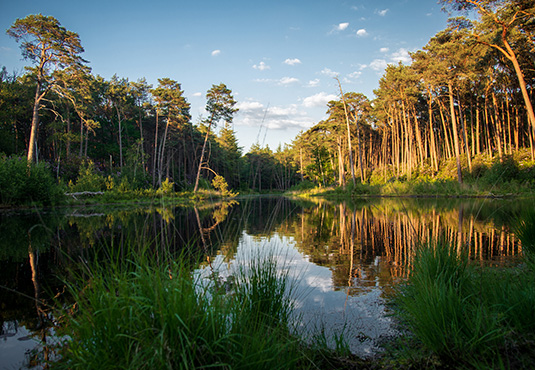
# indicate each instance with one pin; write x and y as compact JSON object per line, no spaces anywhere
{"x":463,"y":315}
{"x":146,"y":312}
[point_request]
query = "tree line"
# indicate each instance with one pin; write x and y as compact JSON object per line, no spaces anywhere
{"x":59,"y":112}
{"x":466,"y":96}
{"x":463,"y":102}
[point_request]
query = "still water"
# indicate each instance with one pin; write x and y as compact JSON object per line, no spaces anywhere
{"x":344,"y":258}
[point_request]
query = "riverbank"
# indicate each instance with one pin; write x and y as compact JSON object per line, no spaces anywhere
{"x":422,"y":187}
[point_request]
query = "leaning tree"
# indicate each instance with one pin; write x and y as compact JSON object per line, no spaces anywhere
{"x":49,"y":47}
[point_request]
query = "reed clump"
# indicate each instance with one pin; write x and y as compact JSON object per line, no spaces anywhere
{"x":152,"y":314}
{"x":465,"y":315}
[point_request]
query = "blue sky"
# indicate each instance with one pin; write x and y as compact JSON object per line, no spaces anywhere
{"x":278,"y":57}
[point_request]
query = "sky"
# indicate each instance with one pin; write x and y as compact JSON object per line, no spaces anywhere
{"x":279,"y":58}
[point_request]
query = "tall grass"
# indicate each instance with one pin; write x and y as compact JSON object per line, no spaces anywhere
{"x":467,"y":315}
{"x":147,"y":313}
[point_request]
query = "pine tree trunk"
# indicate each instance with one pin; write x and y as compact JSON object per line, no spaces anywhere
{"x":202,"y":157}
{"x":455,"y":134}
{"x":35,"y":122}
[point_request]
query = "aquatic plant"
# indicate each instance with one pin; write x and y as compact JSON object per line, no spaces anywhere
{"x":147,"y":313}
{"x":467,"y":314}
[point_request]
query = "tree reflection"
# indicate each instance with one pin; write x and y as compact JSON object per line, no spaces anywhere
{"x":374,"y":244}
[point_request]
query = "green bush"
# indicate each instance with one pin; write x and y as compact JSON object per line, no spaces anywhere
{"x":303,"y":186}
{"x":220,"y":184}
{"x":88,"y":179}
{"x":500,"y":171}
{"x":23,"y":183}
{"x":166,"y":188}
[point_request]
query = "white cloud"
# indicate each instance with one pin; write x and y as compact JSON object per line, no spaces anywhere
{"x":249,"y":106}
{"x":342,"y":26}
{"x":339,"y":27}
{"x":322,"y":283}
{"x":318,"y":100}
{"x":329,"y":72}
{"x":285,"y":81}
{"x":261,"y":66}
{"x":362,"y":32}
{"x":288,"y":80}
{"x":402,"y":55}
{"x":378,"y":64}
{"x":313,"y":83}
{"x":251,"y":113}
{"x":383,"y":12}
{"x":354,"y":75}
{"x":216,"y":52}
{"x":292,"y":62}
{"x":384,"y":50}
{"x":197,"y":94}
{"x":263,"y":80}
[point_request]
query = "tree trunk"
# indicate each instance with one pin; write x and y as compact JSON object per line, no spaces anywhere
{"x":521,"y":81}
{"x":434,"y":154}
{"x":348,"y":134}
{"x":455,"y":133}
{"x":202,"y":157}
{"x":35,"y":122}
{"x":464,"y":135}
{"x":155,"y":152}
{"x":120,"y":138}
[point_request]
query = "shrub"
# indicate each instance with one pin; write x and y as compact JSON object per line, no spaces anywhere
{"x":166,"y":188}
{"x":88,"y":179}
{"x":501,"y":171}
{"x":23,"y":183}
{"x":220,"y":184}
{"x":303,"y":186}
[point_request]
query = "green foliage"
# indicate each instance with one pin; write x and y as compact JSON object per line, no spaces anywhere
{"x":465,"y":314}
{"x":23,"y":183}
{"x":303,"y":186}
{"x":220,"y":184}
{"x":89,"y":179}
{"x":154,"y":314}
{"x":503,"y":170}
{"x":166,"y":188}
{"x":525,"y":230}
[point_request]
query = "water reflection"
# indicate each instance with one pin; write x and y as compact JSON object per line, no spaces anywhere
{"x":346,"y":255}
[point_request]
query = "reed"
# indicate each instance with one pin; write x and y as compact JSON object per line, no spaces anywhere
{"x":145,"y":312}
{"x":465,"y":314}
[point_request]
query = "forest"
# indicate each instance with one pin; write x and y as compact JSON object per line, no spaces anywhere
{"x":460,"y":111}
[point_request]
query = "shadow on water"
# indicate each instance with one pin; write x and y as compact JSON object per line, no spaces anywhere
{"x":345,"y":257}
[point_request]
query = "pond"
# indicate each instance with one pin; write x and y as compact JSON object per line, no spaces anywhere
{"x":344,"y":258}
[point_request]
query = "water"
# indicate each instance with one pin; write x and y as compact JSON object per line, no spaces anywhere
{"x":344,"y":259}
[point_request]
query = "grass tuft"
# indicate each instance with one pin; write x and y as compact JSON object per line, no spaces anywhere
{"x":148,"y":312}
{"x":468,"y":315}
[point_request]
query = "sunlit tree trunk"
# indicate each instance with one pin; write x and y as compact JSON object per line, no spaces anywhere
{"x":155,"y":152}
{"x":455,"y":133}
{"x":348,"y":135}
